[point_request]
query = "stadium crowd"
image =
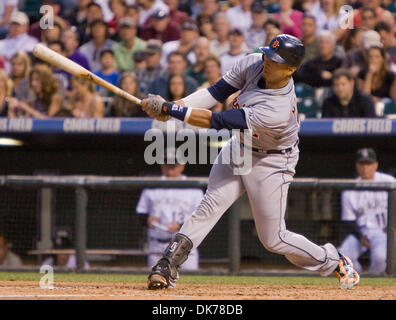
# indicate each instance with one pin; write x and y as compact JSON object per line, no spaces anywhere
{"x":174,"y":47}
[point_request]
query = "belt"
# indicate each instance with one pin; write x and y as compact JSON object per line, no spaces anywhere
{"x":161,"y":240}
{"x":284,"y":151}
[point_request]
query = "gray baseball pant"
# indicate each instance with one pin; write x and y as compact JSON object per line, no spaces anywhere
{"x":267,"y":186}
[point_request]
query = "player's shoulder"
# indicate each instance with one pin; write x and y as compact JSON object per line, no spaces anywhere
{"x":252,"y":59}
{"x":384,"y":177}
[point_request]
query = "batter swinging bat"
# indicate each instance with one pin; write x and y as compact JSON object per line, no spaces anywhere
{"x":61,"y":62}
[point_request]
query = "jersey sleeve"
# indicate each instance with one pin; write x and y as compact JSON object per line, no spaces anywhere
{"x":236,"y":77}
{"x":347,"y":211}
{"x":143,"y":206}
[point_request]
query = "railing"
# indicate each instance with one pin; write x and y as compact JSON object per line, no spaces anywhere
{"x":82,"y":184}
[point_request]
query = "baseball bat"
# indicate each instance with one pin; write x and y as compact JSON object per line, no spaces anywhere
{"x":61,"y":62}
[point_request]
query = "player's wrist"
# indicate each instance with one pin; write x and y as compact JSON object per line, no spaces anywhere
{"x":176,"y":111}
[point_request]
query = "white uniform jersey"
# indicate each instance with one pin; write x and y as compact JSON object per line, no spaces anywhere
{"x":169,"y":205}
{"x":368,"y":208}
{"x":271,"y":114}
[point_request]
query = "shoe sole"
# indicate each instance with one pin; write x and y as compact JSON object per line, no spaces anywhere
{"x":156,"y":282}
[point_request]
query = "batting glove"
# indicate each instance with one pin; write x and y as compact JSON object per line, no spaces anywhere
{"x":153,"y":107}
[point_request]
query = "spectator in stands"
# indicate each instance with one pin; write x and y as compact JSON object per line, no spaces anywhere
{"x":19,"y":74}
{"x":236,"y":52}
{"x":78,"y":16}
{"x":63,"y":242}
{"x":139,"y":60}
{"x":94,"y":13}
{"x":177,"y":64}
{"x":164,"y":211}
{"x":148,"y":7}
{"x":160,"y":26}
{"x":271,"y":24}
{"x":309,"y":38}
{"x":328,"y":17}
{"x":255,"y":35}
{"x":318,"y":72}
{"x":46,"y":100}
{"x":201,"y":51}
{"x":240,"y":16}
{"x":347,"y":100}
{"x":8,"y":259}
{"x":381,"y":13}
{"x":272,"y":28}
{"x":132,"y":11}
{"x":222,"y":26}
{"x":118,"y":8}
{"x":377,"y":79}
{"x":210,"y":7}
{"x":364,"y":215}
{"x":5,"y":92}
{"x":205,"y":26}
{"x":368,"y":19}
{"x":7,"y":8}
{"x":388,"y":40}
{"x":176,"y":15}
{"x":153,"y":68}
{"x":176,"y":88}
{"x":212,"y":69}
{"x":353,"y":40}
{"x":60,"y":76}
{"x":99,"y":43}
{"x":35,"y":29}
{"x":17,"y":38}
{"x":84,"y":102}
{"x":189,"y":33}
{"x":108,"y":72}
{"x":356,"y":59}
{"x":289,"y":18}
{"x":125,"y":108}
{"x":53,"y":34}
{"x":389,"y":5}
{"x":69,"y":38}
{"x":308,"y":6}
{"x":129,"y":44}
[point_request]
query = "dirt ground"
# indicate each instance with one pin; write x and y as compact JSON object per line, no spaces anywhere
{"x":14,"y":290}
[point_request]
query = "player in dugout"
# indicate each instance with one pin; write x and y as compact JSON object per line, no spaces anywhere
{"x":365,"y":213}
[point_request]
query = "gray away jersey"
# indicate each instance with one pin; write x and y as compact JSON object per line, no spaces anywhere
{"x":271,"y":114}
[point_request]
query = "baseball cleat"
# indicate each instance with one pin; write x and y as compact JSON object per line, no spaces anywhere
{"x":157,"y":281}
{"x":160,"y":276}
{"x":347,"y":276}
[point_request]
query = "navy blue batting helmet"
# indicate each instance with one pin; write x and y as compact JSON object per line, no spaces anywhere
{"x":286,"y":49}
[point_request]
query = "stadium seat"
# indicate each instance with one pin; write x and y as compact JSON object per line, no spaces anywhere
{"x":304,"y":90}
{"x":308,"y":107}
{"x":390,"y":109}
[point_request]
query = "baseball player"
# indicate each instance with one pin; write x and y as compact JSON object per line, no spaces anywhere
{"x":266,"y":105}
{"x":366,"y":212}
{"x":166,"y":210}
